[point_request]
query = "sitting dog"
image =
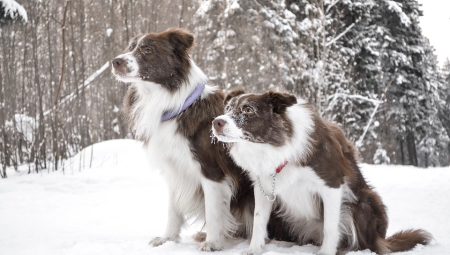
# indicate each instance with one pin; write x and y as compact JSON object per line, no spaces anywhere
{"x":169,"y":107}
{"x":305,"y":168}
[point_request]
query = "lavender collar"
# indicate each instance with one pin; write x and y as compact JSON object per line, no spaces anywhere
{"x":190,"y":100}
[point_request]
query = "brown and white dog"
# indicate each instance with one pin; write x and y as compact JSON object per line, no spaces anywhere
{"x":170,"y":107}
{"x":304,"y":167}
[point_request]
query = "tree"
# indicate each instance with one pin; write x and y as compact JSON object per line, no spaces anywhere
{"x":11,"y":11}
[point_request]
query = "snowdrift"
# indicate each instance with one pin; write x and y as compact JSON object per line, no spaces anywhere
{"x":110,"y":200}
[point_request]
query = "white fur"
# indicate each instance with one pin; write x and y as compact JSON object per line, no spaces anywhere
{"x":249,"y":154}
{"x":171,"y":153}
{"x":263,"y":208}
{"x":218,"y":214}
{"x":132,"y":66}
{"x":231,"y":132}
{"x":298,"y":189}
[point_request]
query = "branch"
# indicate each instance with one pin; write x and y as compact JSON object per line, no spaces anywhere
{"x":85,"y":85}
{"x":359,"y":97}
{"x":331,"y":6}
{"x":361,"y":138}
{"x":341,"y":34}
{"x":383,"y":96}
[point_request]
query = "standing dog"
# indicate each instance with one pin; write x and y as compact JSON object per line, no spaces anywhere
{"x":170,"y":107}
{"x":307,"y":169}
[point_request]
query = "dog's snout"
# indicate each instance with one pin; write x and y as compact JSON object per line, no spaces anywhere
{"x":118,"y":62}
{"x":219,"y":124}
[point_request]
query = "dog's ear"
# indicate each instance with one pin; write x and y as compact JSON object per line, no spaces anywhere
{"x":279,"y":101}
{"x":180,"y":39}
{"x":233,"y":93}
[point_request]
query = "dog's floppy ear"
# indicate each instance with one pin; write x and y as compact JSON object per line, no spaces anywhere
{"x":280,"y":101}
{"x":233,"y":93}
{"x":180,"y":39}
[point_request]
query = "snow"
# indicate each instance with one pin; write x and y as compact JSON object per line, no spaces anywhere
{"x":232,"y":7}
{"x":25,"y":125}
{"x":205,"y":7}
{"x":397,"y":8}
{"x":14,"y":9}
{"x":109,"y":32}
{"x":109,"y":200}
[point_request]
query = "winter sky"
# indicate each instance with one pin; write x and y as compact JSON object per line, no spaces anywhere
{"x":436,"y":26}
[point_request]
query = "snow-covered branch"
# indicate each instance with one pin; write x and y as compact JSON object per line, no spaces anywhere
{"x":373,"y":101}
{"x":359,"y":97}
{"x":372,"y":115}
{"x":341,"y":34}
{"x":86,"y":84}
{"x":331,"y":5}
{"x":13,"y":10}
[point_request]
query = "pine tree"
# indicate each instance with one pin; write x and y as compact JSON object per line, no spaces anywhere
{"x":11,"y":11}
{"x":353,"y":99}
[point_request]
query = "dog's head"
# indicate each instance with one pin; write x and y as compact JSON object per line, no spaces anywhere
{"x":156,"y":58}
{"x":257,"y":118}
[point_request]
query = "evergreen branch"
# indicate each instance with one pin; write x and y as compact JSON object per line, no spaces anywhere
{"x":329,"y":43}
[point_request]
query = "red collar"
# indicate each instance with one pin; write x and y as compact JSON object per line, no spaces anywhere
{"x":281,"y":167}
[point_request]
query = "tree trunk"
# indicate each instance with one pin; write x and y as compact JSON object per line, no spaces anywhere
{"x":56,"y":147}
{"x":411,"y":145}
{"x":402,"y":151}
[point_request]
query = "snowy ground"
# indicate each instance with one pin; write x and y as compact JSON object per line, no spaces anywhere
{"x":116,"y":203}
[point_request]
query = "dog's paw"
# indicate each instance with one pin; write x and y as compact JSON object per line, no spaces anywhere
{"x":157,"y":241}
{"x":199,"y":237}
{"x":326,"y":252}
{"x":252,"y":252}
{"x":211,"y":246}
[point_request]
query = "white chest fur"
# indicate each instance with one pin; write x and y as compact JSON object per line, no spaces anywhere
{"x":170,"y":152}
{"x":297,"y":188}
{"x":169,"y":149}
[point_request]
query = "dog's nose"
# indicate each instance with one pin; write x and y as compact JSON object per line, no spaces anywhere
{"x":218,"y":124}
{"x":117,"y":62}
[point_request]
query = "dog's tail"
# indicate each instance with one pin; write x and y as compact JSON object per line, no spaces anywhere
{"x":404,"y":241}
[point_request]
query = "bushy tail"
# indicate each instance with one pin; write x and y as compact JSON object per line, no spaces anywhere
{"x":404,"y":240}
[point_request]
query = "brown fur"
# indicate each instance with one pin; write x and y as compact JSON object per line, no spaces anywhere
{"x":269,"y":124}
{"x":334,"y":159}
{"x":163,"y":59}
{"x":130,"y":99}
{"x":406,"y":240}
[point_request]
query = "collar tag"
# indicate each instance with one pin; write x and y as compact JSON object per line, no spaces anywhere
{"x":280,"y":167}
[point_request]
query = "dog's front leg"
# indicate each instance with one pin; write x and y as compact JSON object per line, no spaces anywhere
{"x":175,"y":221}
{"x":263,"y":208}
{"x":219,"y":221}
{"x":332,"y":199}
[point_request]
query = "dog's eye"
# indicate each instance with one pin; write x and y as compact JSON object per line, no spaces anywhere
{"x":146,"y":49}
{"x":247,"y":110}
